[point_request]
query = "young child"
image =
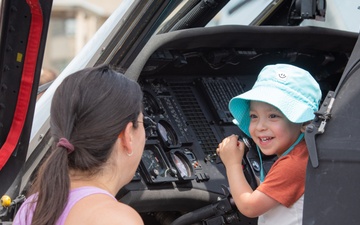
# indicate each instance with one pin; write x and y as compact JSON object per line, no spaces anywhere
{"x":274,"y":113}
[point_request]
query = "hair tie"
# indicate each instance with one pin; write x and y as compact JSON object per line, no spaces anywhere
{"x":63,"y":142}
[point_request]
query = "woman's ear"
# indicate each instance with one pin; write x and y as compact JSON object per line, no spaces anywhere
{"x":126,"y":137}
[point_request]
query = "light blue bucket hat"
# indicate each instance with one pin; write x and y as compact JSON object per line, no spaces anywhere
{"x":290,"y":89}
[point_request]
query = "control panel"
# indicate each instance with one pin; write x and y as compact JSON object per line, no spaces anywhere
{"x":185,"y":120}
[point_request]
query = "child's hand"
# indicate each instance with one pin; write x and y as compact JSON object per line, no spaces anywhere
{"x":231,"y":150}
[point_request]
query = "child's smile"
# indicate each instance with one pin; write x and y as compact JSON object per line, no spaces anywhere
{"x":270,"y":129}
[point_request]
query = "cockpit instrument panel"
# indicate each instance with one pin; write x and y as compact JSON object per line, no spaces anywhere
{"x":184,"y":132}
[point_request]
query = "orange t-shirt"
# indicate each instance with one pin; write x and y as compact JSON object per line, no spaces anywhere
{"x":285,"y":182}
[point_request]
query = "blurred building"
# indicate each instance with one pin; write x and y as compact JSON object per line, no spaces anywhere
{"x":72,"y":24}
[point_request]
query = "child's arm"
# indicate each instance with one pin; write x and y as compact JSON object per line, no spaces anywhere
{"x":250,"y":203}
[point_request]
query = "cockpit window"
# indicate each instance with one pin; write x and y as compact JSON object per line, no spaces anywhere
{"x":240,"y":12}
{"x":340,"y":14}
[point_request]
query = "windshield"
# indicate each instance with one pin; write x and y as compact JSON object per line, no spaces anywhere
{"x":340,"y":14}
{"x":240,"y":12}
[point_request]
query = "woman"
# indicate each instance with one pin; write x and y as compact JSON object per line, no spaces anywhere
{"x":97,"y":126}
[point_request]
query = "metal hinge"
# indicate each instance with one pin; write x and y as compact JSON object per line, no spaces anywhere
{"x":317,"y":126}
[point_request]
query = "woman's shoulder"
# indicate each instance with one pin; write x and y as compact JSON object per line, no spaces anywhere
{"x":120,"y":213}
{"x":112,"y":212}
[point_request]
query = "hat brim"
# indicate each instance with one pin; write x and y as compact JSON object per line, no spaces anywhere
{"x":295,"y":110}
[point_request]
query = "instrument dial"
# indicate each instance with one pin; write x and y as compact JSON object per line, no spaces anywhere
{"x":167,"y":133}
{"x":154,"y":163}
{"x":182,"y":166}
{"x":151,"y":106}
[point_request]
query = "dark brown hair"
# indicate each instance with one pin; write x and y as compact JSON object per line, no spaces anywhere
{"x":90,"y":108}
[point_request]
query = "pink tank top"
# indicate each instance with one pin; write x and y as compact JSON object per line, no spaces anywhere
{"x":25,"y":213}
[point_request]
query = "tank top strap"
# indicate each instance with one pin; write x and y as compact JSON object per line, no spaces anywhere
{"x":76,"y":195}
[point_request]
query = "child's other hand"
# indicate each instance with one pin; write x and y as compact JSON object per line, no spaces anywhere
{"x":231,"y":150}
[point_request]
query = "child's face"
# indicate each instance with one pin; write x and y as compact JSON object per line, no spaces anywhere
{"x":270,"y":129}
